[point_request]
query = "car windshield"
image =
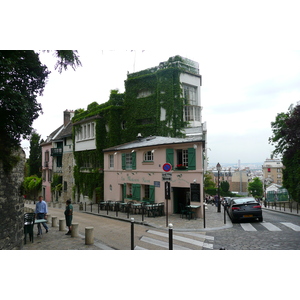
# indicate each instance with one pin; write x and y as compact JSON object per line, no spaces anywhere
{"x":244,"y":201}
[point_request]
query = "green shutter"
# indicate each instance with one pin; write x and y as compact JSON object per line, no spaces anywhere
{"x":192,"y":158}
{"x":136,"y":192}
{"x":124,"y":192}
{"x":123,"y":161}
{"x":133,"y":155}
{"x":170,"y":157}
{"x":152,"y":193}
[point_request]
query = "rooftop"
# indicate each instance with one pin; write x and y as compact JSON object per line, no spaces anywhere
{"x":154,"y":141}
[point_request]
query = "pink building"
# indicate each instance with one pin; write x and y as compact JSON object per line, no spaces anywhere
{"x":134,"y":171}
{"x":46,"y":169}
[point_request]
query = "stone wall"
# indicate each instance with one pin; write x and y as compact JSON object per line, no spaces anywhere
{"x":12,"y":206}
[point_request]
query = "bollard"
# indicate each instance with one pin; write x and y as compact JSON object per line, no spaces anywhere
{"x":61,"y":224}
{"x":48,"y":218}
{"x":54,"y":221}
{"x":204,"y":208}
{"x":132,"y":233}
{"x":74,"y":231}
{"x":170,"y":236}
{"x":89,"y":235}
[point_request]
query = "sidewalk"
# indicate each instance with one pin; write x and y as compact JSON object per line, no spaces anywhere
{"x":286,"y":210}
{"x":57,"y":240}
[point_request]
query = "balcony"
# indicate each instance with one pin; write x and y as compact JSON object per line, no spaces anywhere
{"x":56,"y":151}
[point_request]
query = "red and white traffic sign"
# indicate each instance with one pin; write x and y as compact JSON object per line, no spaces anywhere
{"x":167,"y":167}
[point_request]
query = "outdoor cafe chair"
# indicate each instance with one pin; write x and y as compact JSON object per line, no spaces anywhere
{"x":190,"y":213}
{"x":28,"y":226}
{"x":183,"y":210}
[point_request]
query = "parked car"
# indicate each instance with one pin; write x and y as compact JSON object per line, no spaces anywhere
{"x":226,"y":201}
{"x":244,"y":209}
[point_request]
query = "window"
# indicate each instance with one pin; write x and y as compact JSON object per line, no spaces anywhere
{"x":111,"y":161}
{"x":148,"y":156}
{"x":190,"y":94}
{"x":46,"y":156}
{"x":147,"y":191}
{"x":192,"y":113}
{"x":129,"y":161}
{"x":182,"y":157}
{"x":86,"y":131}
{"x":144,"y":93}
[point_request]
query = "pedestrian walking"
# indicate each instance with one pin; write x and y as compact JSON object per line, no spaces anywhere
{"x":69,"y":215}
{"x":41,"y":211}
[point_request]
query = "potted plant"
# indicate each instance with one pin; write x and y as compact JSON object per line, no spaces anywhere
{"x":181,"y":167}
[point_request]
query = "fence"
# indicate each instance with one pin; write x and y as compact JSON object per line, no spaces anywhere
{"x":279,"y":195}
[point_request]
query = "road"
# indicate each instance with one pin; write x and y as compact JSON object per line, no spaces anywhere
{"x":278,"y":231}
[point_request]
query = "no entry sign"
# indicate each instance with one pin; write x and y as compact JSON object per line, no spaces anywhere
{"x":167,"y":167}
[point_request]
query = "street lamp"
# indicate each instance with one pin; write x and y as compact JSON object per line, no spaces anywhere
{"x":219,"y":168}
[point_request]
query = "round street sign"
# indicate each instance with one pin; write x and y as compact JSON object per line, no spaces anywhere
{"x":167,"y":167}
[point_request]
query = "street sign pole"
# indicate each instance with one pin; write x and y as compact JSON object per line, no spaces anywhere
{"x":167,"y":167}
{"x":167,"y":197}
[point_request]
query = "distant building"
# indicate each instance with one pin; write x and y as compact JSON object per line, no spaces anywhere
{"x":272,"y":171}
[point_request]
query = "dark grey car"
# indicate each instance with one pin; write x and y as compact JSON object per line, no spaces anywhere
{"x":245,"y":209}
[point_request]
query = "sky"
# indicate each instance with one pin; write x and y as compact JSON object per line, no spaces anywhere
{"x":248,"y":54}
{"x":241,"y":93}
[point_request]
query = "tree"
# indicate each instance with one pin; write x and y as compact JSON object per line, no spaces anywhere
{"x":22,"y":79}
{"x":209,"y":185}
{"x":32,"y":185}
{"x":255,"y":188}
{"x":286,"y":139}
{"x":35,"y":155}
{"x":224,"y":185}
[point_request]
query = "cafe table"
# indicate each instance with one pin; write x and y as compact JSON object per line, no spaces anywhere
{"x":192,"y":209}
{"x":39,"y":222}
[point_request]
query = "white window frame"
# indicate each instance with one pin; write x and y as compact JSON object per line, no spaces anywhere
{"x":111,"y":161}
{"x":148,"y":156}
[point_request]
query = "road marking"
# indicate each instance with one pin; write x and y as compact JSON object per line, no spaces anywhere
{"x":183,"y":239}
{"x":139,"y":248}
{"x":202,"y":236}
{"x":162,"y":243}
{"x":291,"y":225}
{"x":247,"y":227}
{"x":270,"y":226}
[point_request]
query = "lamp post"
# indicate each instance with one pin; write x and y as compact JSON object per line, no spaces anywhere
{"x":219,"y":202}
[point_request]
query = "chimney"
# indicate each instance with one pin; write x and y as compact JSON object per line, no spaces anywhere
{"x":68,"y":115}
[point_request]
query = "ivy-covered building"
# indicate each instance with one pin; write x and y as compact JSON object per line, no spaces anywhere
{"x":161,"y":101}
